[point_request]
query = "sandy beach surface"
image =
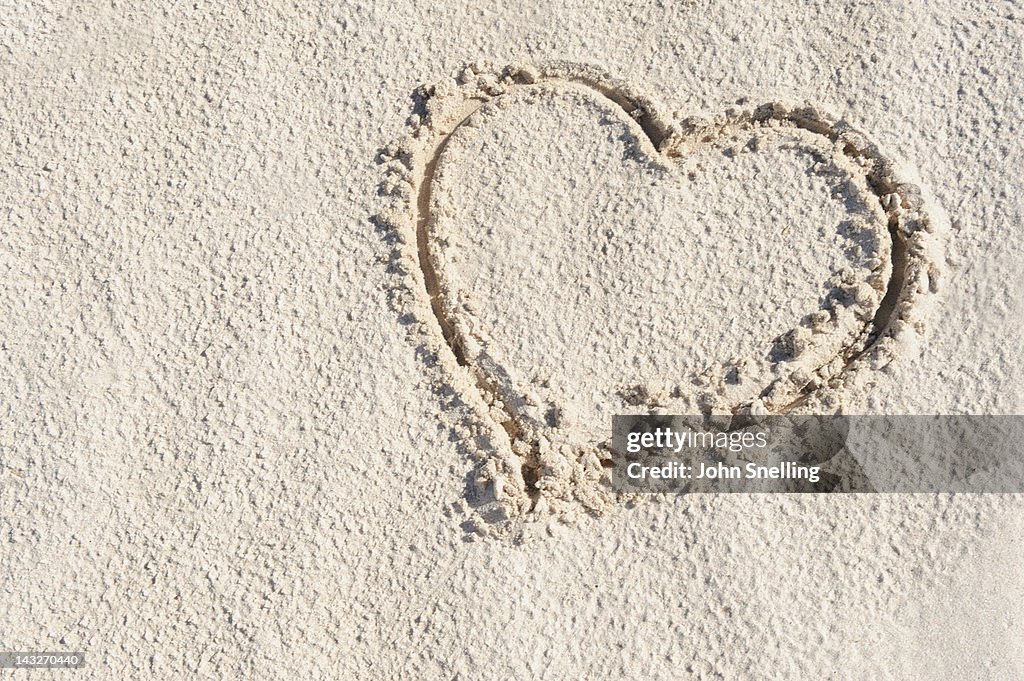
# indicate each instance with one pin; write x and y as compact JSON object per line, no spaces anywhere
{"x":237,"y":441}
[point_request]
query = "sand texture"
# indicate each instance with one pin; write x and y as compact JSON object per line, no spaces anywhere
{"x":314,"y":318}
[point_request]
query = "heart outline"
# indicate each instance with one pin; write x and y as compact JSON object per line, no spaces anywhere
{"x":512,"y":453}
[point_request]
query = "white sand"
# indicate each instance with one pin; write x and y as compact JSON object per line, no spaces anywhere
{"x":234,"y":444}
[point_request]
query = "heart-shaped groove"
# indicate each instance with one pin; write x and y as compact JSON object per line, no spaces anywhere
{"x":525,"y":465}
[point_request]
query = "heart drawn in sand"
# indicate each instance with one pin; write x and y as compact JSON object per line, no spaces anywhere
{"x":571,"y":251}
